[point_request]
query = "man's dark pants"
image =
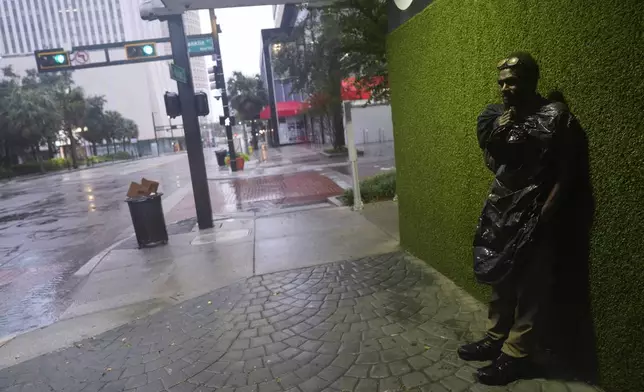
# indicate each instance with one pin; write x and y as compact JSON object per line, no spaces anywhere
{"x":517,"y":302}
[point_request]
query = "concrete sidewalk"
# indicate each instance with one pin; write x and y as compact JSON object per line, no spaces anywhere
{"x":312,"y":300}
{"x":125,"y":282}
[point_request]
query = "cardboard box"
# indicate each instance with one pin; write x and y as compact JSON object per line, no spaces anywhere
{"x":151,"y":186}
{"x":145,"y":188}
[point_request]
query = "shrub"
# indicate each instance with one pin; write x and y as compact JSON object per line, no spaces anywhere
{"x":122,"y":155}
{"x":239,"y":154}
{"x":5,"y":173}
{"x":56,"y":164}
{"x":376,"y":188}
{"x":26,"y":168}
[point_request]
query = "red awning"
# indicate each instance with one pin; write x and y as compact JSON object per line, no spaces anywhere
{"x":284,"y":109}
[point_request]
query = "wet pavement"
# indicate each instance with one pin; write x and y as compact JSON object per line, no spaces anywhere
{"x":381,"y":323}
{"x":378,"y":158}
{"x":51,"y":225}
{"x":261,"y":193}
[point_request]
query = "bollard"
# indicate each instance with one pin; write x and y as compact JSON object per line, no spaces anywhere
{"x":264,"y":153}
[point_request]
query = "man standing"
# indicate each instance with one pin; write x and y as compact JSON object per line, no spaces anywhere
{"x":527,"y":144}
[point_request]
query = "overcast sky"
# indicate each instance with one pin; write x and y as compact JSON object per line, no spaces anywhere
{"x":241,"y":36}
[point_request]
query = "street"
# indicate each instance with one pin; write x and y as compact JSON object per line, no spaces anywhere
{"x":52,"y":225}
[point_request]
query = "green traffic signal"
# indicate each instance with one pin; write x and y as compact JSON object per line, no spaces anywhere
{"x":148,"y":50}
{"x":137,"y":51}
{"x":52,"y":60}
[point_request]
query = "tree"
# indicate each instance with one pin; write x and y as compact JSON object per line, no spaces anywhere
{"x":71,"y":105}
{"x":329,"y":44}
{"x":129,"y":131}
{"x":94,"y":130}
{"x":113,"y":128}
{"x":363,"y":26}
{"x":51,"y":120}
{"x":247,"y":97}
{"x":312,"y":62}
{"x":28,"y":115}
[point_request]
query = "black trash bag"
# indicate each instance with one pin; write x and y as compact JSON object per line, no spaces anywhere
{"x":524,"y":158}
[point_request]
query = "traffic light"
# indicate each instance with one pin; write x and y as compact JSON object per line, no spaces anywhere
{"x":172,"y":104}
{"x":140,"y":50}
{"x":52,"y":59}
{"x":201,"y":103}
{"x":216,"y":75}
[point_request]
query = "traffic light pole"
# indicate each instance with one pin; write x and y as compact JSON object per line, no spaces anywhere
{"x":191,"y":128}
{"x":224,"y":93}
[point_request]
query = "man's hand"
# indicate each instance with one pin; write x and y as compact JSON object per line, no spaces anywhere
{"x":546,"y":211}
{"x":507,"y":117}
{"x":548,"y":208}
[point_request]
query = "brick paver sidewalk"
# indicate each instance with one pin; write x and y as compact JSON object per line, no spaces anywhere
{"x":273,"y":191}
{"x":386,"y":323}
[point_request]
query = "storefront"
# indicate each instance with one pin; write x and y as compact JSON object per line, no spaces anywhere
{"x":292,"y":127}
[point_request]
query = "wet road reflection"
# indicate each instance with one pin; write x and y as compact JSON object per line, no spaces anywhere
{"x":51,"y":226}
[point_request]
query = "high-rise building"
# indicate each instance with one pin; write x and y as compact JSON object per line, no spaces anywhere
{"x":135,"y":90}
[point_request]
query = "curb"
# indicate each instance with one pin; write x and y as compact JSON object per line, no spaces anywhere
{"x":170,"y":202}
{"x":340,"y":154}
{"x":335,"y":200}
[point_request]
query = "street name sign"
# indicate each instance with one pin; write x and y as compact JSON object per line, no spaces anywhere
{"x":178,"y":73}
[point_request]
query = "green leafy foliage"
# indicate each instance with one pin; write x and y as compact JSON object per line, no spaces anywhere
{"x":442,"y":74}
{"x":364,"y":25}
{"x":311,"y":59}
{"x":35,"y":108}
{"x":247,"y":95}
{"x":120,"y":155}
{"x":377,"y":188}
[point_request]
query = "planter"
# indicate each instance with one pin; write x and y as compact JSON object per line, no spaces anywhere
{"x":240,"y":163}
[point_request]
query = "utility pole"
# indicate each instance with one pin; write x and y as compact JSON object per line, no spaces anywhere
{"x":191,"y":128}
{"x":219,"y":72}
{"x":274,"y":139}
{"x":156,"y":139}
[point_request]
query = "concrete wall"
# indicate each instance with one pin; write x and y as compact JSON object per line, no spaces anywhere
{"x":372,"y":124}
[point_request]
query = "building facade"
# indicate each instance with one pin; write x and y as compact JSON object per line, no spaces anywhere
{"x":134,"y":90}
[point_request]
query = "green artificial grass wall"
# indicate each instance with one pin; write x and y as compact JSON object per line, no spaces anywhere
{"x":442,"y":74}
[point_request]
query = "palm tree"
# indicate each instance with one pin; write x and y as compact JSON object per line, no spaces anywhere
{"x":114,"y":128}
{"x":247,"y":97}
{"x":130,"y":131}
{"x":28,"y":115}
{"x":94,"y":130}
{"x":49,"y":114}
{"x":71,"y":105}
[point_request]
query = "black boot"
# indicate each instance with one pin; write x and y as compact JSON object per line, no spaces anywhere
{"x":504,"y":370}
{"x":485,"y":349}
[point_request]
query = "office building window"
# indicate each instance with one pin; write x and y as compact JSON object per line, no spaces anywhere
{"x":17,"y":37}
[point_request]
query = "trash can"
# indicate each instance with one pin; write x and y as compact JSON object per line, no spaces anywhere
{"x":221,"y":157}
{"x":148,"y":220}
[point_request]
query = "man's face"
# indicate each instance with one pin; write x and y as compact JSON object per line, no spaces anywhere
{"x":513,"y":89}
